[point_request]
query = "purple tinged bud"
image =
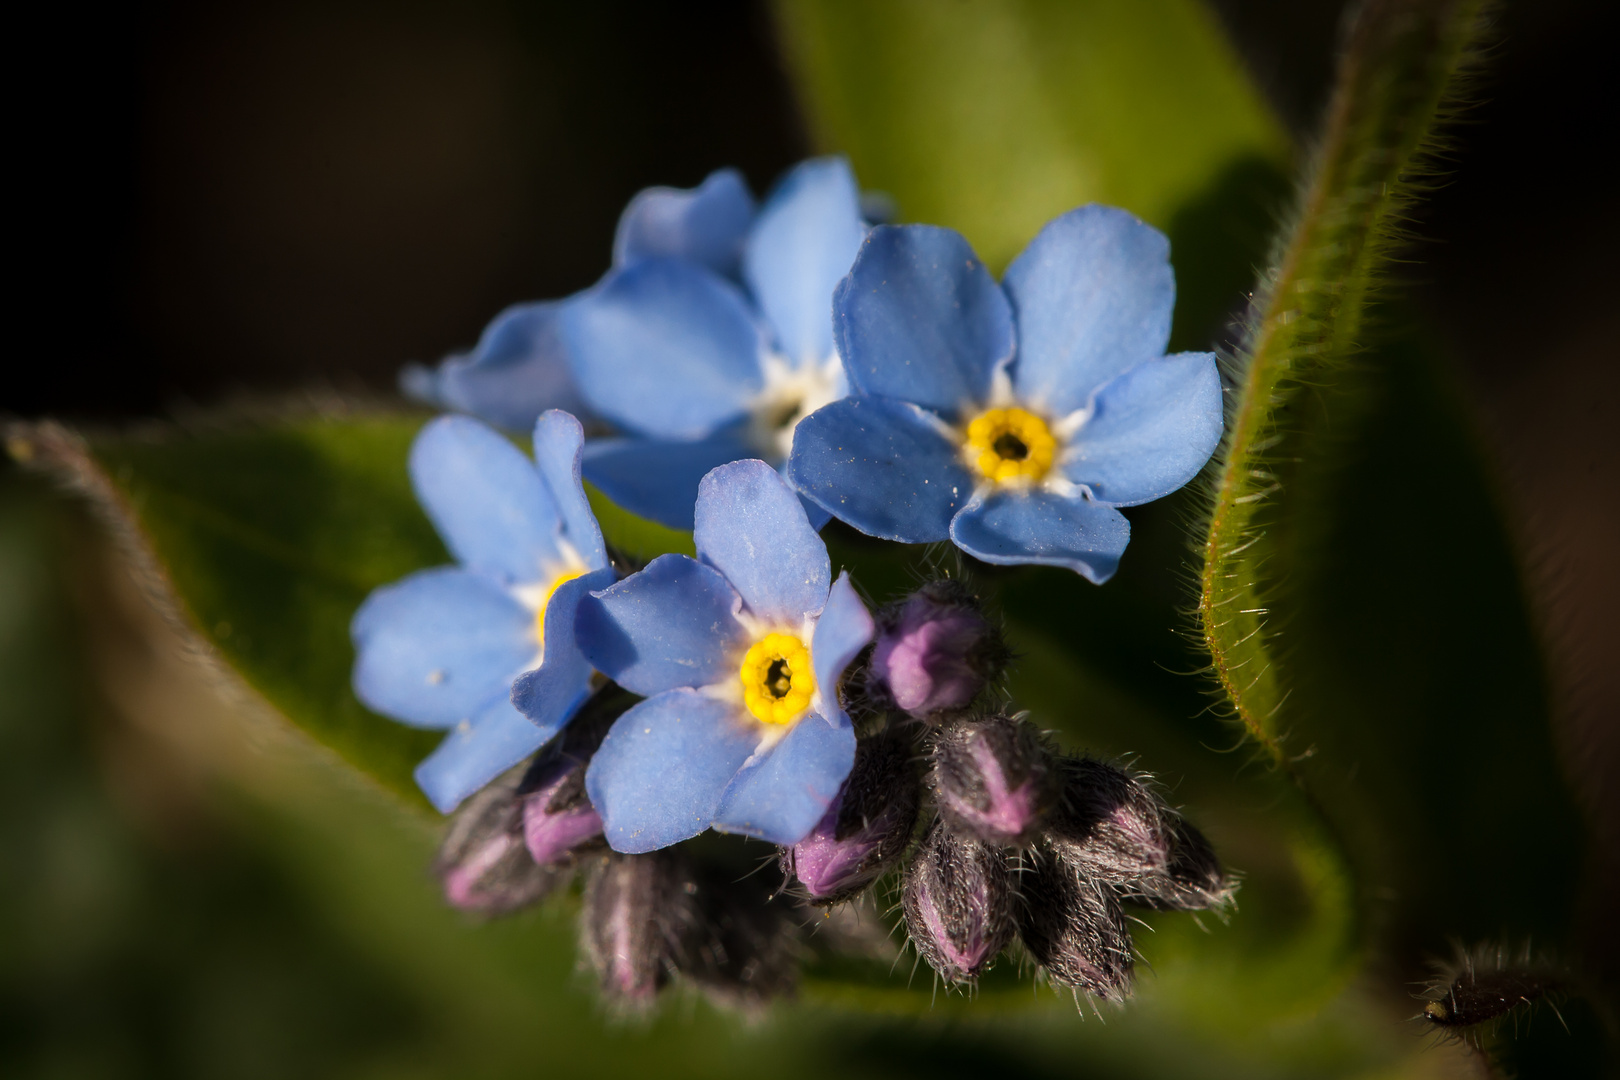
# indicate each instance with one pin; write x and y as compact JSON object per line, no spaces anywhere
{"x":553,"y":833}
{"x":483,"y":864}
{"x":934,"y":651}
{"x":558,"y":818}
{"x":958,"y":903}
{"x":993,"y":777}
{"x":1074,"y":928}
{"x":866,"y":828}
{"x":634,"y":912}
{"x":1114,"y":828}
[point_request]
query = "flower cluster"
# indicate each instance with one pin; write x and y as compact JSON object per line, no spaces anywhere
{"x":758,"y":371}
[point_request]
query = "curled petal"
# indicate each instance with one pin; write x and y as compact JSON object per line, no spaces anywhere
{"x":841,"y":633}
{"x":1015,"y":527}
{"x":558,"y":438}
{"x":517,"y":371}
{"x":705,"y":224}
{"x":550,"y":694}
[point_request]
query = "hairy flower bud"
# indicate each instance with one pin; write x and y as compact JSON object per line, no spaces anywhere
{"x":636,"y":910}
{"x":957,"y":899}
{"x":741,"y":947}
{"x":934,"y":651}
{"x":558,"y":818}
{"x":1074,"y":928}
{"x":864,"y":830}
{"x":1113,"y":828}
{"x":483,"y":864}
{"x":993,"y":777}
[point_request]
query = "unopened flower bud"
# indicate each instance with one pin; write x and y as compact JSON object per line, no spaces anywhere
{"x":558,"y":818}
{"x":635,"y":910}
{"x":866,"y":827}
{"x":741,"y":948}
{"x":1074,"y":928}
{"x":934,"y":651}
{"x":483,"y":864}
{"x":1113,"y":827}
{"x":957,"y":899}
{"x":993,"y":777}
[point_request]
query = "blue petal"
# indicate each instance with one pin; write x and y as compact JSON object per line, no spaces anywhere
{"x":475,"y":753}
{"x":558,"y":438}
{"x":920,"y":319}
{"x":550,"y":693}
{"x":517,"y":371}
{"x":660,"y":772}
{"x":664,"y":348}
{"x":883,"y":466}
{"x":842,"y":631}
{"x":804,"y":241}
{"x":485,"y":498}
{"x":751,"y":527}
{"x":1013,"y":527}
{"x":435,"y":648}
{"x":1150,"y":430}
{"x":705,"y":224}
{"x":1094,"y":292}
{"x":656,"y":478}
{"x":673,"y":624}
{"x":781,"y":794}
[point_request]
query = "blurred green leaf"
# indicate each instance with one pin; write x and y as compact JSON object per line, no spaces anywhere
{"x":994,"y":117}
{"x":271,"y":532}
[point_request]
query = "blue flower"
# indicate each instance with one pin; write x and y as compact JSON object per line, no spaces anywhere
{"x":441,"y":648}
{"x":696,"y":371}
{"x":739,"y":654}
{"x":1019,"y":456}
{"x":518,"y":369}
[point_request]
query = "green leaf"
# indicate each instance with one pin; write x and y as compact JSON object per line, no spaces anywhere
{"x":268,"y":533}
{"x":1358,"y":595}
{"x":994,"y":117}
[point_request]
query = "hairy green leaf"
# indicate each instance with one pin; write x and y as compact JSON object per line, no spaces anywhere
{"x":1358,"y":595}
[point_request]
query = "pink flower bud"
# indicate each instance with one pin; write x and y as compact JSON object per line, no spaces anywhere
{"x":993,"y":778}
{"x":935,"y":651}
{"x":957,"y":899}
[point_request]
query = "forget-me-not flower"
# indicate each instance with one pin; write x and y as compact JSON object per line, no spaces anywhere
{"x":696,"y":371}
{"x":518,"y":368}
{"x":441,"y":648}
{"x":1013,"y":418}
{"x":739,"y":653}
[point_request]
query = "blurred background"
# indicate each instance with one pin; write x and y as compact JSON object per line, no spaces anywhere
{"x":222,"y":202}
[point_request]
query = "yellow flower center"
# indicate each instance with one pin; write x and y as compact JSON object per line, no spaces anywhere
{"x":1010,"y":445}
{"x":777,"y":680}
{"x":545,"y":601}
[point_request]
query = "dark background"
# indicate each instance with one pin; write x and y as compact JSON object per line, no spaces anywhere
{"x":217,"y":201}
